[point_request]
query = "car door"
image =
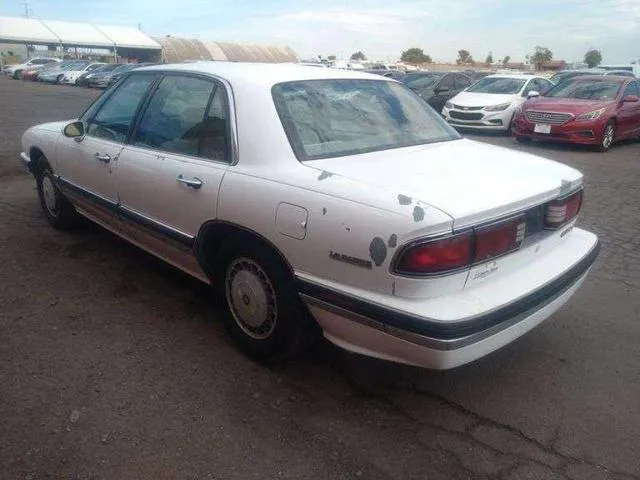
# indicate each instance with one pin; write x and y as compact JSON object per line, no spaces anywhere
{"x":86,"y":166}
{"x":443,"y":92}
{"x":628,"y":116}
{"x":170,"y":173}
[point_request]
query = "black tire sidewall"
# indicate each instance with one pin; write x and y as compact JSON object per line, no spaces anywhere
{"x":287,"y":334}
{"x":46,"y":172}
{"x":65,"y":217}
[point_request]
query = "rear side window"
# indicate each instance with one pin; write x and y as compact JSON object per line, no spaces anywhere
{"x":182,"y":117}
{"x":113,"y":118}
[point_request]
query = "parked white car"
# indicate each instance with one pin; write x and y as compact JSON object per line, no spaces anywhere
{"x":15,"y":71}
{"x":491,"y":102}
{"x":310,"y":195}
{"x":71,"y":76}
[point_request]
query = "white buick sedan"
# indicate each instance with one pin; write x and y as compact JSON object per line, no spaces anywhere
{"x":310,"y":196}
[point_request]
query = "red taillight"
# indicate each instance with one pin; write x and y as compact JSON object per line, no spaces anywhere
{"x":496,"y":240}
{"x":438,"y":256}
{"x":560,"y":212}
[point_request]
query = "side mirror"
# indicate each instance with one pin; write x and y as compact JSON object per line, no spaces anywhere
{"x":630,"y":99}
{"x":533,"y":94}
{"x":442,"y":89}
{"x":75,"y":130}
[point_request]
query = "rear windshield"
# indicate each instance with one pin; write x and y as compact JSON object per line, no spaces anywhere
{"x":498,"y":85}
{"x":333,"y":118}
{"x":585,"y":90}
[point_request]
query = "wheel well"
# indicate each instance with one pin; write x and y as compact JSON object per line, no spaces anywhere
{"x":217,"y":239}
{"x":38,"y":160}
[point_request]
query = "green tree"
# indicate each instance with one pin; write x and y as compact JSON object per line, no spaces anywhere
{"x":593,"y":58}
{"x":540,"y":55}
{"x":505,"y":60}
{"x":358,"y":56}
{"x":331,"y":58}
{"x":415,"y":56}
{"x":464,"y":57}
{"x":489,"y":58}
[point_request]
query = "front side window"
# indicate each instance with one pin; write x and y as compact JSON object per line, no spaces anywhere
{"x":175,"y":119}
{"x":462,"y":82}
{"x":498,"y":85}
{"x":632,"y":89}
{"x":418,"y":81}
{"x":585,"y":90}
{"x":333,"y":118}
{"x":113,"y":118}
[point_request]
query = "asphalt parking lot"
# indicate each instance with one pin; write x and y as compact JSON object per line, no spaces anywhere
{"x":114,"y":366}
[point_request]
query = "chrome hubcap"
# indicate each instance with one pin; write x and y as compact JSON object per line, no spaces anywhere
{"x":251,"y":298}
{"x":49,"y":194}
{"x":607,"y":138}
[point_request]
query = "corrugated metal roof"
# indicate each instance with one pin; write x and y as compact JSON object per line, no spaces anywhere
{"x":178,"y":49}
{"x":34,"y":31}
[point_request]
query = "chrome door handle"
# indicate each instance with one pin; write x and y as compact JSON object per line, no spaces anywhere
{"x":195,"y":183}
{"x":102,"y":157}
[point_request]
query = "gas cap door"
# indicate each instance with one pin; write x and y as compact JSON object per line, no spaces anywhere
{"x":291,"y":220}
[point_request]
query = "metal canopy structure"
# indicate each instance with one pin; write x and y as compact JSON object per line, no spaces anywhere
{"x":177,"y":49}
{"x":68,"y":34}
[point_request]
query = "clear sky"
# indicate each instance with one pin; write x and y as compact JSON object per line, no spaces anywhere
{"x":381,"y":29}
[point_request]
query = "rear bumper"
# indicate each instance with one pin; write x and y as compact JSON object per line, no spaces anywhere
{"x":414,"y":338}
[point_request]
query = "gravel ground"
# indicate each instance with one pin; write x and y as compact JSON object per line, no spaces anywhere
{"x":114,"y":366}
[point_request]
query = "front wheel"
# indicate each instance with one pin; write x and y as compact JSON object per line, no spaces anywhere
{"x":608,"y":137}
{"x":59,"y":79}
{"x":59,"y":212}
{"x":264,"y":315}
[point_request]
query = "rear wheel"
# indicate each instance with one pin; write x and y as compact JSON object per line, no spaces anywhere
{"x":264,"y":315}
{"x":608,"y":136}
{"x":59,"y":212}
{"x":59,"y":79}
{"x":16,"y":74}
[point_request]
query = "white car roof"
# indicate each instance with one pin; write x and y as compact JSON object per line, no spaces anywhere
{"x":264,"y":74}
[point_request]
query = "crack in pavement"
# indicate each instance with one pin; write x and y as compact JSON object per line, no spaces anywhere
{"x":566,"y":460}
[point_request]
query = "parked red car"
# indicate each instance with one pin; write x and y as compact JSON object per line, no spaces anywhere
{"x":589,"y":110}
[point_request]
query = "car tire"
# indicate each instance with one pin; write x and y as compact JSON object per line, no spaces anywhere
{"x":57,"y":209}
{"x":263,"y":314}
{"x":16,"y":74}
{"x":608,"y":137}
{"x":58,"y":79}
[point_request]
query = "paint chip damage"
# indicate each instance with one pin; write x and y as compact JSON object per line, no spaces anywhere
{"x":404,"y":200}
{"x":378,"y":251}
{"x":324,"y":175}
{"x":393,"y":241}
{"x":418,"y":214}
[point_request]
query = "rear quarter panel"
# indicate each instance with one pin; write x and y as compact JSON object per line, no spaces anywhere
{"x":352,"y":233}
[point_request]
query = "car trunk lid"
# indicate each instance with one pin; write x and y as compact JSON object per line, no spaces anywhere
{"x":470,"y":181}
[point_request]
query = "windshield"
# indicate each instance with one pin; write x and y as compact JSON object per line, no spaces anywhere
{"x":421,"y":80}
{"x":106,"y":68}
{"x":498,"y":85}
{"x":585,"y":90}
{"x":333,"y":118}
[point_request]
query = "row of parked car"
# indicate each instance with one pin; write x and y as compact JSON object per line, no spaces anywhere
{"x":83,"y":73}
{"x":594,"y":110}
